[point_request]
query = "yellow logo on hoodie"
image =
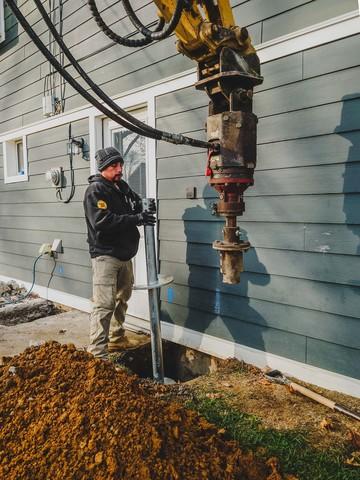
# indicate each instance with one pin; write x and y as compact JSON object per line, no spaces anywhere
{"x":102,"y":204}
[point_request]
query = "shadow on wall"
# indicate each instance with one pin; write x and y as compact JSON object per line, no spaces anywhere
{"x":351,"y":200}
{"x":218,"y":309}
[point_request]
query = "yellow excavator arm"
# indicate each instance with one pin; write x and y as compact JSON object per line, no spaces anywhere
{"x":228,"y":70}
{"x":204,"y":27}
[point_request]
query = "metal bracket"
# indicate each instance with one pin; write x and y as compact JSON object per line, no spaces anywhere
{"x":162,"y":281}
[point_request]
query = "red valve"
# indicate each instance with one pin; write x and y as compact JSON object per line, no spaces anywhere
{"x":208,"y":170}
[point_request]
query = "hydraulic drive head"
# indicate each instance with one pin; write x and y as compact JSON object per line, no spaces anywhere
{"x":231,"y":128}
{"x":230,"y":170}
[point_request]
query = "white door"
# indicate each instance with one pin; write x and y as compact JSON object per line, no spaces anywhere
{"x":136,"y":172}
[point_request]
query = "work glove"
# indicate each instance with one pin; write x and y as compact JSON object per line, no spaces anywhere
{"x":145,"y":218}
{"x":151,"y":205}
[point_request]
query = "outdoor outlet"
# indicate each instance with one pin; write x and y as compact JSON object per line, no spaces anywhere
{"x":57,"y":247}
{"x":52,"y":249}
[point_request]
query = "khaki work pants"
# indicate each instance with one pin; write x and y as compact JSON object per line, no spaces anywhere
{"x":113,"y":280}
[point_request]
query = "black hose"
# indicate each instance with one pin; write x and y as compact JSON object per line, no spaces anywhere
{"x":136,"y":126}
{"x":153,"y":133}
{"x":26,"y":26}
{"x":72,"y":174}
{"x":159,"y":35}
{"x":127,"y":42}
{"x":123,"y":113}
{"x":50,"y":278}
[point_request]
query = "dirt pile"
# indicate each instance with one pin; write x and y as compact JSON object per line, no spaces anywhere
{"x":10,"y":292}
{"x":66,"y":415}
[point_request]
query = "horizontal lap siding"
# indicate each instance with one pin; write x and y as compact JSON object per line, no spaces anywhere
{"x":29,"y":212}
{"x":30,"y":215}
{"x":117,"y":69}
{"x":299,"y":293}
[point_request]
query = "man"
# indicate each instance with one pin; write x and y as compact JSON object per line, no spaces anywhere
{"x":113,"y":212}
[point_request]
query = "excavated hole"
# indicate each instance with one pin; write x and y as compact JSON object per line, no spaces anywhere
{"x":16,"y":307}
{"x":180,"y":363}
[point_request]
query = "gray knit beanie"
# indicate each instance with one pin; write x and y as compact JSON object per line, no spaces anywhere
{"x":106,"y":156}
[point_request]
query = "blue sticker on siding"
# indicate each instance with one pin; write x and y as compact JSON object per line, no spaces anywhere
{"x":217,"y":303}
{"x":170,"y":295}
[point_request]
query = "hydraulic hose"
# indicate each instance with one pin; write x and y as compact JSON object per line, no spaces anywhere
{"x":127,"y":42}
{"x":72,"y":174}
{"x":136,"y":126}
{"x":159,"y":135}
{"x":40,"y":45}
{"x":144,"y":30}
{"x":123,"y":113}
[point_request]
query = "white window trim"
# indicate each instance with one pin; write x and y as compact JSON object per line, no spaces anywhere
{"x":10,"y":155}
{"x":140,"y":111}
{"x":95,"y":124}
{"x":2,"y":21}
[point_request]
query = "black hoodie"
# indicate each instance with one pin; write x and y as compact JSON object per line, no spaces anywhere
{"x":111,"y":216}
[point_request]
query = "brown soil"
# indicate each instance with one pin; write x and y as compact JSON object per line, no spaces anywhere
{"x":66,"y":415}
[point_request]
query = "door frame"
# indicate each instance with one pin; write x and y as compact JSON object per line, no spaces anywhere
{"x":141,"y":113}
{"x":140,"y":101}
{"x":138,"y":305}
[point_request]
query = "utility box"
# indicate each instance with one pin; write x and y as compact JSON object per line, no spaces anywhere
{"x":49,"y":105}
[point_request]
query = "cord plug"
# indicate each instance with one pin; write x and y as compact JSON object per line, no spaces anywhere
{"x":45,"y":249}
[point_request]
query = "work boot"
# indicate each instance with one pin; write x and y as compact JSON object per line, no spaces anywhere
{"x":127,"y":343}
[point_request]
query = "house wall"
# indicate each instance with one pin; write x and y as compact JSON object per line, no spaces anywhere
{"x":298,"y":297}
{"x":119,"y":68}
{"x":31,"y":215}
{"x":299,"y":294}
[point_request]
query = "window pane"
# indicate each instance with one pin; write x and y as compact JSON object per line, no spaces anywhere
{"x":20,"y":158}
{"x":132,"y":148}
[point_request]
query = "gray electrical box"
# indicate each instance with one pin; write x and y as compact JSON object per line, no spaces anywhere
{"x":57,"y":246}
{"x":48,"y":104}
{"x":190,"y":192}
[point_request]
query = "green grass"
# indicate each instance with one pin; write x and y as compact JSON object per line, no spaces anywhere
{"x":296,"y":456}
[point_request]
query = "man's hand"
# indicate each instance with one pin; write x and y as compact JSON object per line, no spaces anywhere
{"x":146,"y":218}
{"x":151,"y":205}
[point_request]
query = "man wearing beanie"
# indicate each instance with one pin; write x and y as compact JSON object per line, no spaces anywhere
{"x":113,"y":212}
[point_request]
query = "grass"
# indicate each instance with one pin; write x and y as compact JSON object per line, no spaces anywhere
{"x":296,"y":456}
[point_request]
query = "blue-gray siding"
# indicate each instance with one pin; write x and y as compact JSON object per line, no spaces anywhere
{"x":299,"y":295}
{"x":30,"y":215}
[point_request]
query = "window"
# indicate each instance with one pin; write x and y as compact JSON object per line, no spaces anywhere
{"x":15,"y":160}
{"x":132,"y":148}
{"x":2,"y":21}
{"x":139,"y":171}
{"x":20,"y":157}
